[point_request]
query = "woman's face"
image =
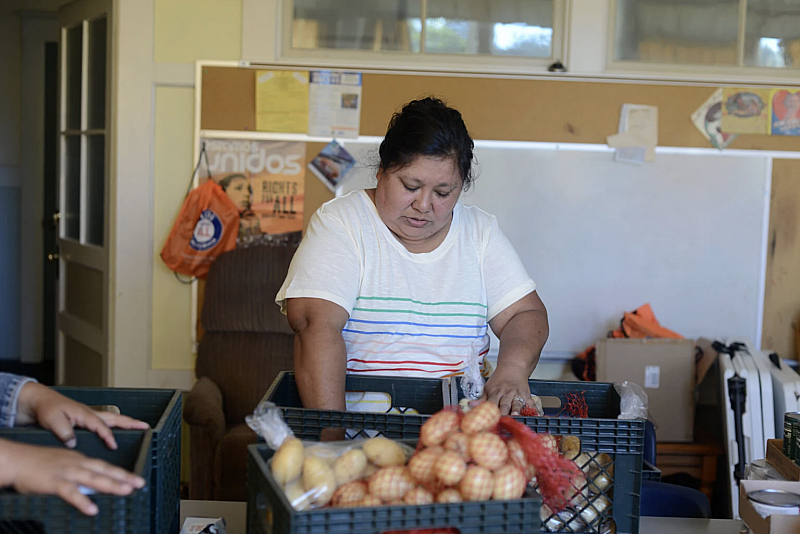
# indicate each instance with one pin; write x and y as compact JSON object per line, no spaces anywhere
{"x":416,"y":202}
{"x":792,"y":103}
{"x":239,"y":192}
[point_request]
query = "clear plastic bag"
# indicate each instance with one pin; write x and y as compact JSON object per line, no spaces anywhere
{"x":313,"y":475}
{"x":633,"y":402}
{"x":472,"y":382}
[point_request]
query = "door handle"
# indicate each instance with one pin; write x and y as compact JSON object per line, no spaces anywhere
{"x":52,"y":257}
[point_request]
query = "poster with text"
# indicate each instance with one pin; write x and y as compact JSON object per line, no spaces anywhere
{"x":785,"y":112}
{"x":745,"y":111}
{"x":266,"y":181}
{"x":334,"y":103}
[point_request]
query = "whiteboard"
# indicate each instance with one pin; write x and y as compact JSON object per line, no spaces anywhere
{"x":686,"y":234}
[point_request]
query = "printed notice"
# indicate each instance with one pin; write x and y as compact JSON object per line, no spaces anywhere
{"x":266,"y":181}
{"x":281,"y":101}
{"x":785,"y":112}
{"x":334,"y":104}
{"x":652,"y":376}
{"x":745,"y":111}
{"x":708,"y":121}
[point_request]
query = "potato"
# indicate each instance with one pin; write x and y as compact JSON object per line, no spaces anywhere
{"x":349,"y":494}
{"x":458,"y":442}
{"x":370,"y":500}
{"x":418,"y":496}
{"x":323,"y":452}
{"x":287,"y":463}
{"x":509,"y":483}
{"x":450,"y":468}
{"x":477,"y":484}
{"x":488,"y":450}
{"x":421,"y":465}
{"x":438,"y":427}
{"x":384,"y":452}
{"x":449,"y":495}
{"x":350,"y":466}
{"x":391,"y":483}
{"x":570,"y":443}
{"x":296,"y":495}
{"x":319,"y":480}
{"x":481,"y":418}
{"x":599,"y":483}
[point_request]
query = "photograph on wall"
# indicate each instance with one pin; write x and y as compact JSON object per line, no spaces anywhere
{"x":708,"y":121}
{"x":745,"y":111}
{"x":282,"y":101}
{"x":785,"y":112}
{"x":332,"y":164}
{"x":266,"y":182}
{"x":334,"y":104}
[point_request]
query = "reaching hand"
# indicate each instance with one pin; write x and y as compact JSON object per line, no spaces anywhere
{"x":57,"y":413}
{"x":509,"y":390}
{"x":48,"y":470}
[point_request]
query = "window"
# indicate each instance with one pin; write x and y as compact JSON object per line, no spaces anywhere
{"x":744,"y":33}
{"x":83,"y":131}
{"x":517,"y":28}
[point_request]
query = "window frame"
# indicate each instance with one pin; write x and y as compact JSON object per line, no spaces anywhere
{"x":421,"y":61}
{"x":738,"y":72}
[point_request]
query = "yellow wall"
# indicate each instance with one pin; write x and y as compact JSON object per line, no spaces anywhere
{"x":172,"y":323}
{"x":184,"y":32}
{"x":188,"y":30}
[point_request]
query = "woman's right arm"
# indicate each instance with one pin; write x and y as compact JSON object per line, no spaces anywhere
{"x":320,"y":355}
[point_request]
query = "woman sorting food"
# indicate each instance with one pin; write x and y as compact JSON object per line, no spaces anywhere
{"x":405,"y":280}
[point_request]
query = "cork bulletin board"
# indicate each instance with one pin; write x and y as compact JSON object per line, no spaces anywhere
{"x":547,"y":110}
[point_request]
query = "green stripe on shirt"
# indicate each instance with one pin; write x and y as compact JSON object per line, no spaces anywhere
{"x":399,"y":299}
{"x":482,"y":316}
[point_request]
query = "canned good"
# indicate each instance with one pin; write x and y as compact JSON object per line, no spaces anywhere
{"x":791,"y":420}
{"x":771,"y":501}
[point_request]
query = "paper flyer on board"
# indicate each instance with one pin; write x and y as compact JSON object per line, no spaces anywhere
{"x":334,"y":102}
{"x":266,"y":181}
{"x":637,"y":135}
{"x":708,"y":119}
{"x":282,"y":101}
{"x":785,"y":112}
{"x":745,"y":111}
{"x":332,"y":164}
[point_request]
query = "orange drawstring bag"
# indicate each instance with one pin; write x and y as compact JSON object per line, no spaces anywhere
{"x":206,"y":227}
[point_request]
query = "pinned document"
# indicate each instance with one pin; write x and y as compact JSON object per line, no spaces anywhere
{"x":638,"y":134}
{"x":282,"y":101}
{"x":708,"y":121}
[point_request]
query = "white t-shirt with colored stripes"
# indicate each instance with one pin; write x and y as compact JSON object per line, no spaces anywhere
{"x":410,"y":314}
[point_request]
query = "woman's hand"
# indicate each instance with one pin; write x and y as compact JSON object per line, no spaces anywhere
{"x":60,"y":415}
{"x":48,"y":470}
{"x":509,"y":389}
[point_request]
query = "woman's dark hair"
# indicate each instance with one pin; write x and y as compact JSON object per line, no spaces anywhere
{"x":427,"y":127}
{"x":225,"y":182}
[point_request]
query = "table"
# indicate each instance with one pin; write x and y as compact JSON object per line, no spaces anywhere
{"x":235,"y":514}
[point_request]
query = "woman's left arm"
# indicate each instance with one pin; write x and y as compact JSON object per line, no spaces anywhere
{"x":522,"y":329}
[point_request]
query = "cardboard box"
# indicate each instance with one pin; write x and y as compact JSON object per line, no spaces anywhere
{"x":665,"y":369}
{"x":774,"y":524}
{"x":778,"y":460}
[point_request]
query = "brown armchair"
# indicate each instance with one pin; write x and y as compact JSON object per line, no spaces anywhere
{"x":247,"y":341}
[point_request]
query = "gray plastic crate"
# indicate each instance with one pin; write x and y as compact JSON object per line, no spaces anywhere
{"x":269,"y":512}
{"x":34,"y":514}
{"x":426,"y":395}
{"x":601,"y":432}
{"x":162,"y":410}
